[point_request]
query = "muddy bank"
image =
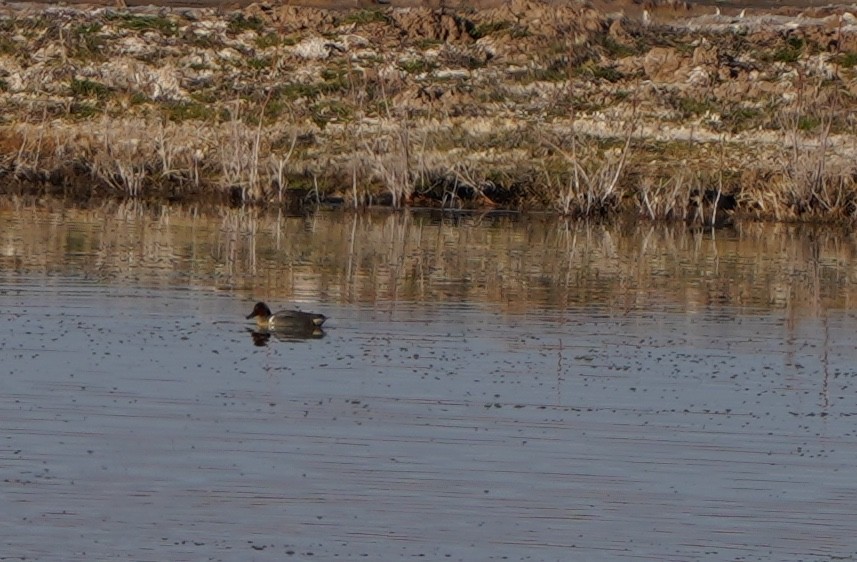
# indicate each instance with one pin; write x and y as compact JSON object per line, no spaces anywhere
{"x":664,"y":111}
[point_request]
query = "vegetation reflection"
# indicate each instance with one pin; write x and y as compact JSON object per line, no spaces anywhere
{"x":518,"y":262}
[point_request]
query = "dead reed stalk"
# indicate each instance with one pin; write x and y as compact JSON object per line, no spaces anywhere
{"x":589,"y":184}
{"x":240,"y":149}
{"x":278,"y":166}
{"x":389,"y":161}
{"x":667,"y":199}
{"x":124,"y":158}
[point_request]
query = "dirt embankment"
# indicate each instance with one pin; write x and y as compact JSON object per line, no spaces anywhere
{"x":662,"y":110}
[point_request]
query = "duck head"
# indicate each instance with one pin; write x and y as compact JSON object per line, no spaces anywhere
{"x":261,"y":309}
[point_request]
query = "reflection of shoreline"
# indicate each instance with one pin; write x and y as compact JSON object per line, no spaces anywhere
{"x":522,"y":263}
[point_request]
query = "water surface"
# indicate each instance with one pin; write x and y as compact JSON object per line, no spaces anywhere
{"x":489,"y":388}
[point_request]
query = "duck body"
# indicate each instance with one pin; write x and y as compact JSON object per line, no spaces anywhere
{"x":284,"y":319}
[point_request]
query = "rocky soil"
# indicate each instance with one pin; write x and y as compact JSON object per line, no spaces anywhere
{"x":585,"y":109}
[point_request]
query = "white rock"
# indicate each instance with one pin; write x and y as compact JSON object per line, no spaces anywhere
{"x":312,"y":48}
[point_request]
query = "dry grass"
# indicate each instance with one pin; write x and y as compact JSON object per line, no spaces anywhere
{"x":555,"y":113}
{"x":665,"y":198}
{"x":123,"y":158}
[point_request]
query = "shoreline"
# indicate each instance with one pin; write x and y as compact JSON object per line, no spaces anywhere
{"x":572,"y":109}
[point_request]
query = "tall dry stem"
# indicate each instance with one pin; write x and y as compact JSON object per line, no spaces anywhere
{"x":809,"y":187}
{"x":668,"y":199}
{"x":278,"y":166}
{"x":389,"y":161}
{"x":589,"y":185}
{"x":29,"y":155}
{"x":468,"y":175}
{"x":124,"y":158}
{"x":239,"y":157}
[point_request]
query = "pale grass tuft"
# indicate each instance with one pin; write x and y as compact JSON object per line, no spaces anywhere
{"x":391,"y":162}
{"x":125,"y":156}
{"x":589,"y":185}
{"x":240,"y":150}
{"x":666,"y":199}
{"x":813,"y":183}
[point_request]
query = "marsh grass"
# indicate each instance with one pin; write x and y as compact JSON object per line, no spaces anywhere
{"x":809,"y":185}
{"x":89,"y":89}
{"x":588,"y":183}
{"x":665,"y":198}
{"x":190,"y":111}
{"x":847,"y":60}
{"x":330,"y":110}
{"x":84,"y":41}
{"x":451,"y":123}
{"x":135,"y":22}
{"x":389,"y":161}
{"x":365,"y":16}
{"x":27,"y":159}
{"x":81,"y":110}
{"x":239,"y":23}
{"x":240,"y":150}
{"x":596,"y":71}
{"x":124,"y":158}
{"x":417,"y":65}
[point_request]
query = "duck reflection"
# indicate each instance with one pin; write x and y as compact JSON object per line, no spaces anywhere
{"x":262,"y":337}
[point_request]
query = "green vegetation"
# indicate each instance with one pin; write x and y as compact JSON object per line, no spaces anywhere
{"x":85,"y":42}
{"x":491,"y":28}
{"x":240,"y":23}
{"x":615,"y":50}
{"x":7,"y":46}
{"x":185,"y":111}
{"x":847,"y":60}
{"x":556,"y":71}
{"x":297,"y":90}
{"x":207,"y":97}
{"x":743,"y":119}
{"x":83,"y":110}
{"x":161,"y":24}
{"x":203,"y":41}
{"x":416,"y":65}
{"x":692,"y":106}
{"x":598,"y":72}
{"x":325,"y":111}
{"x":364,"y":16}
{"x":501,"y":28}
{"x":790,"y":52}
{"x":138,"y":98}
{"x":258,"y":63}
{"x":89,"y":89}
{"x":808,"y":123}
{"x":335,"y":80}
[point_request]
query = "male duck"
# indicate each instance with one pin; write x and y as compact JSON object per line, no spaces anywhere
{"x":284,"y":318}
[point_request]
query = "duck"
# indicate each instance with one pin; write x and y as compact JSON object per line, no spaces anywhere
{"x":288,"y":319}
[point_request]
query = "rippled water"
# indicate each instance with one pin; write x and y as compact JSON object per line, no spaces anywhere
{"x":489,"y":387}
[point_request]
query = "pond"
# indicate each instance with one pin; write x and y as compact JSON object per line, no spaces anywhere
{"x":488,"y":387}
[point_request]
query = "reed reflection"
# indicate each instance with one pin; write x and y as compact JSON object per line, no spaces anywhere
{"x":519,"y":263}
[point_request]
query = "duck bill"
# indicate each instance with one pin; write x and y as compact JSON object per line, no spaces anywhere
{"x":251,"y":315}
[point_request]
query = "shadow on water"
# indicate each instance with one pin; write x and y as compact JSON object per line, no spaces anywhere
{"x":489,"y":387}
